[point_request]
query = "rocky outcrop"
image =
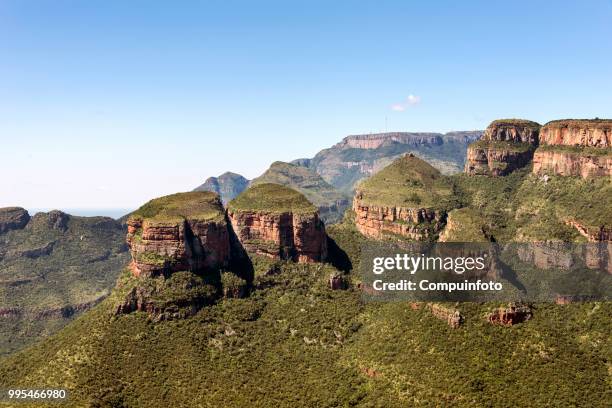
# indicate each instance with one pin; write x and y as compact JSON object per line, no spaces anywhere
{"x":188,"y":233}
{"x":297,"y":237}
{"x":450,"y":315}
{"x":579,"y":148}
{"x":378,"y":222}
{"x":510,"y":315}
{"x":12,"y":218}
{"x":278,"y":222}
{"x":506,"y":145}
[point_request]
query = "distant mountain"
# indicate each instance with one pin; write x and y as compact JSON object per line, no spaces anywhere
{"x":228,"y":185}
{"x":52,"y":266}
{"x":360,"y":156}
{"x":331,"y":202}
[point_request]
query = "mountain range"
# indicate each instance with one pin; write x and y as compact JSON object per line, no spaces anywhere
{"x":255,"y":301}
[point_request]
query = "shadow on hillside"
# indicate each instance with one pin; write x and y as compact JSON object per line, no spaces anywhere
{"x":337,"y":257}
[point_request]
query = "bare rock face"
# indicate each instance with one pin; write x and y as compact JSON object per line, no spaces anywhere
{"x":376,"y":140}
{"x":579,"y":148}
{"x":12,"y":218}
{"x":511,"y":315}
{"x":578,"y":132}
{"x":506,"y":145}
{"x":419,"y":224}
{"x":278,"y":222}
{"x":181,"y":232}
{"x":572,"y":163}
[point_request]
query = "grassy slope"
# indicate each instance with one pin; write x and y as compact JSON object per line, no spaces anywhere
{"x":294,"y":342}
{"x":407,"y":182}
{"x":82,"y":266}
{"x":200,"y":205}
{"x":302,"y":179}
{"x":272,"y":198}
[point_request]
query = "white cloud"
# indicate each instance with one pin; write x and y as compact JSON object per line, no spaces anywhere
{"x":411,"y":100}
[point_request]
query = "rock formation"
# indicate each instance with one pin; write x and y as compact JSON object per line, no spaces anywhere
{"x":12,"y":218}
{"x":581,"y":148}
{"x":506,"y":145}
{"x":180,"y":232}
{"x":510,"y":315}
{"x":450,"y":315}
{"x":406,"y":200}
{"x":278,"y":222}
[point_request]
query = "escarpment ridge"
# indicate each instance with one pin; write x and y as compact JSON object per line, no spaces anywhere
{"x":580,"y":148}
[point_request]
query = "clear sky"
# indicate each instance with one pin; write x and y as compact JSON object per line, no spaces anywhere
{"x":106,"y":104}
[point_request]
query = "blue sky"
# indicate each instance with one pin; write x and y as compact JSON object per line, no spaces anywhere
{"x":106,"y":104}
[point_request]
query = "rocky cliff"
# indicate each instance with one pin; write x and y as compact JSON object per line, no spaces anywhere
{"x":12,"y":218}
{"x":506,"y":145}
{"x":580,"y":148}
{"x":408,"y":199}
{"x":228,"y":185}
{"x":278,"y":222}
{"x":180,"y":232}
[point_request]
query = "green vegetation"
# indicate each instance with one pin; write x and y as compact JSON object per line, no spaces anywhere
{"x":464,"y":225}
{"x":597,"y":123}
{"x":525,"y":207}
{"x":63,"y":267}
{"x":272,"y":198}
{"x":331,"y":203}
{"x":515,"y":122}
{"x":199,"y":205}
{"x":503,"y":145}
{"x":577,"y":150}
{"x":408,"y":182}
{"x":294,"y":342}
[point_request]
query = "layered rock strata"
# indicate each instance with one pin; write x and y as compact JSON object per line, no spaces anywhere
{"x":579,"y":148}
{"x":278,"y":222}
{"x":510,"y":315}
{"x":182,"y":232}
{"x":506,"y":145}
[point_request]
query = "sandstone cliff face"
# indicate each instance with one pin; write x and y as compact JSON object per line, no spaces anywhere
{"x":495,"y":160}
{"x":379,"y":222}
{"x":162,"y":245}
{"x":589,"y":133}
{"x":579,"y":148}
{"x":278,"y":222}
{"x":12,"y":218}
{"x":575,"y":164}
{"x":506,"y":145}
{"x":297,"y":237}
